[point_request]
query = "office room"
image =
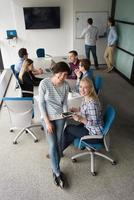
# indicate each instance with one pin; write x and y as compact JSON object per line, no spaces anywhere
{"x":25,"y":170}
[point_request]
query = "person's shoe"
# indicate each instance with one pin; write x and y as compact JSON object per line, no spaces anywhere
{"x":61,"y":181}
{"x":55,"y":179}
{"x":47,"y":156}
{"x":96,"y":67}
{"x":17,"y":86}
{"x":110,"y":69}
{"x":105,"y":70}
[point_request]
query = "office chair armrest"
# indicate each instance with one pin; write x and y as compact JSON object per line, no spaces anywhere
{"x":26,"y":91}
{"x":88,"y":137}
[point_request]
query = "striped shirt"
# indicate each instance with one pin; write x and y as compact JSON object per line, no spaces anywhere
{"x":91,"y":110}
{"x":52,"y":99}
{"x":91,"y":34}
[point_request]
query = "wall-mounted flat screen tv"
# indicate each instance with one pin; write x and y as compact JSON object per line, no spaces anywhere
{"x":42,"y":17}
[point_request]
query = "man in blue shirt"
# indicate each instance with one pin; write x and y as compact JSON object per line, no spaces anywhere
{"x":22,"y":56}
{"x":111,"y":41}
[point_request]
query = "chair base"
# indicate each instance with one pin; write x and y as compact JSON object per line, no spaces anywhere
{"x":92,"y":154}
{"x":26,"y":129}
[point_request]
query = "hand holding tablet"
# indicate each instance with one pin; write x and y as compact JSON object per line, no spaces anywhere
{"x":67,"y":114}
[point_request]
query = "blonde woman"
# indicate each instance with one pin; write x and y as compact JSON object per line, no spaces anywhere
{"x":26,"y":78}
{"x":90,"y":117}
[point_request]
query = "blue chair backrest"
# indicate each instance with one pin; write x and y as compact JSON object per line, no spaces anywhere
{"x":90,"y":74}
{"x":13,"y":68}
{"x":98,"y":83}
{"x":40,"y":52}
{"x":108,"y":118}
{"x":14,"y":72}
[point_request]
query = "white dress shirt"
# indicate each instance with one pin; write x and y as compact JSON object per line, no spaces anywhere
{"x":91,"y":34}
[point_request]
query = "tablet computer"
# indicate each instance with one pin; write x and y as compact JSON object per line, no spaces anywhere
{"x":67,"y":114}
{"x":48,"y":70}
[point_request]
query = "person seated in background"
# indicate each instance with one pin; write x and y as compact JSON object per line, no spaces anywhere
{"x":26,"y":78}
{"x":90,"y":117}
{"x":22,"y":56}
{"x":73,"y":63}
{"x":83,"y":71}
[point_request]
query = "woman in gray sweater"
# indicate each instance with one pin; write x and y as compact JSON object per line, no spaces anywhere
{"x":53,"y":93}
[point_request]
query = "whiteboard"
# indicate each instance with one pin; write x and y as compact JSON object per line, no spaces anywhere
{"x":99,"y":20}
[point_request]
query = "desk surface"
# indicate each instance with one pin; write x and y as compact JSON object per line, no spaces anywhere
{"x":46,"y":62}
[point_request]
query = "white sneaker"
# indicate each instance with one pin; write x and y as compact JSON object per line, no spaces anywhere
{"x":110,"y":69}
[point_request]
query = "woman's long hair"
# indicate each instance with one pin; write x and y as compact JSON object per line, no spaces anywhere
{"x":25,"y":68}
{"x":92,"y":94}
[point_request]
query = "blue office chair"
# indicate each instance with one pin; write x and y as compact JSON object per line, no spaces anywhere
{"x":12,"y":67}
{"x":40,"y":52}
{"x":21,"y":113}
{"x":23,"y":93}
{"x":93,"y":143}
{"x":97,"y":84}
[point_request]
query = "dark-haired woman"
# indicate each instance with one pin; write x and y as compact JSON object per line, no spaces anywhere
{"x":53,"y":93}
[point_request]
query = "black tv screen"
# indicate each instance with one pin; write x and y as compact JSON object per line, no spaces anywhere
{"x":42,"y":17}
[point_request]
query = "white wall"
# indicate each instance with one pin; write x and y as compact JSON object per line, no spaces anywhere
{"x":57,"y":42}
{"x":93,"y":6}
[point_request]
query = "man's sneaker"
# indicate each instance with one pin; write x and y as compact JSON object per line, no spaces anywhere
{"x":96,"y":67}
{"x":110,"y":69}
{"x":55,"y":179}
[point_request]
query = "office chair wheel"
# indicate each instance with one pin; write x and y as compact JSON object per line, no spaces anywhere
{"x":114,"y":162}
{"x":74,"y":160}
{"x":36,"y":140}
{"x":94,"y":173}
{"x":15,"y":142}
{"x":42,"y":128}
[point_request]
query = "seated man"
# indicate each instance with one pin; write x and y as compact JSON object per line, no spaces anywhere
{"x":22,"y":56}
{"x":73,"y":63}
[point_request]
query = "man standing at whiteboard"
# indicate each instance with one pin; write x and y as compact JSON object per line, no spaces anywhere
{"x":90,"y":33}
{"x":111,"y":42}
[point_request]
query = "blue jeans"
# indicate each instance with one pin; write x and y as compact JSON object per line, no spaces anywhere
{"x":89,"y":48}
{"x":54,"y":143}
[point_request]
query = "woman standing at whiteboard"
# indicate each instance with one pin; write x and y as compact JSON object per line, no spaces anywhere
{"x":90,"y":33}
